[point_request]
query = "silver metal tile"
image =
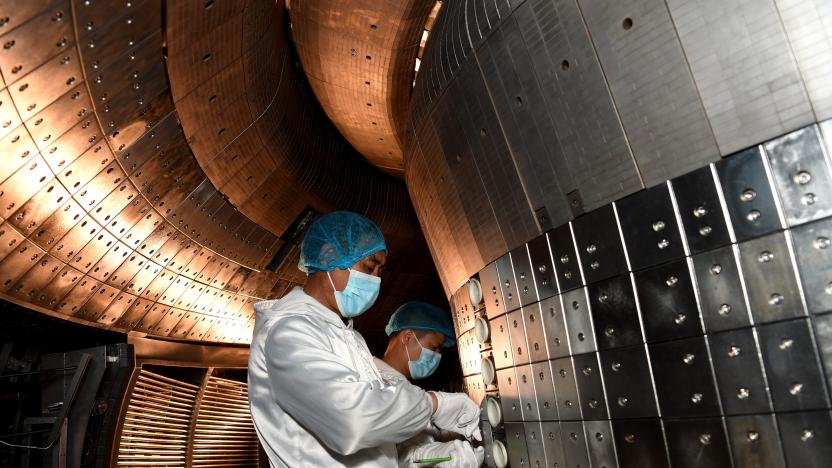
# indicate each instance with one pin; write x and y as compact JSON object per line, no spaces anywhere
{"x":807,"y":438}
{"x":566,"y":389}
{"x":792,"y":367}
{"x":565,"y":259}
{"x":534,"y":444}
{"x":749,"y":197}
{"x":578,"y":321}
{"x":739,"y":372}
{"x":492,"y":292}
{"x":650,"y":228}
{"x":528,"y":398}
{"x":769,"y":272}
{"x":542,"y":267}
{"x":668,"y":302}
{"x":684,"y":380}
{"x":500,"y":342}
{"x":574,"y":444}
{"x":554,"y":325}
{"x":553,"y":444}
{"x":544,"y":387}
{"x":721,"y":293}
{"x":523,"y":275}
{"x":506,"y":274}
{"x":700,"y":208}
{"x":614,"y":313}
{"x":535,"y":337}
{"x":823,"y":335}
{"x":813,"y":251}
{"x":518,"y":454}
{"x":628,"y":383}
{"x":700,"y":443}
{"x":755,"y":442}
{"x":517,"y":333}
{"x":802,"y":175}
{"x":590,"y":388}
{"x":599,"y":440}
{"x":509,"y":394}
{"x":640,"y":443}
{"x":599,"y":244}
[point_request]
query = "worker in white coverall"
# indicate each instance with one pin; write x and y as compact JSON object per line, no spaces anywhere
{"x":316,"y":397}
{"x":418,"y":331}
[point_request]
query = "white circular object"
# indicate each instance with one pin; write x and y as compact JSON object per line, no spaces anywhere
{"x":488,"y":372}
{"x":482,"y":330}
{"x":474,"y":291}
{"x":494,"y":411}
{"x":498,"y":451}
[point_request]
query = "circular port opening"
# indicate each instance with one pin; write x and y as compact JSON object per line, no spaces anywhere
{"x":493,"y":411}
{"x":481,"y":330}
{"x":488,"y":373}
{"x":474,"y":291}
{"x":498,"y":451}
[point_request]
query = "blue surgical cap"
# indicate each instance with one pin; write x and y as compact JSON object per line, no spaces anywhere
{"x":339,"y":240}
{"x":422,"y":316}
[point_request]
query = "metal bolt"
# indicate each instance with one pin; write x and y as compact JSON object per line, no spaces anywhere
{"x":623,"y":401}
{"x":602,"y":298}
{"x":753,"y":216}
{"x":705,"y":439}
{"x":802,"y":178}
{"x":542,"y":268}
{"x":807,"y":435}
{"x":747,"y":195}
{"x":809,"y":199}
{"x":696,"y":398}
{"x":700,"y":211}
{"x":567,"y":275}
{"x":599,"y":437}
{"x":630,"y":438}
{"x":564,"y":258}
{"x":765,"y":256}
{"x":786,"y":343}
{"x":795,"y":388}
{"x":680,"y":319}
{"x":663,"y":244}
{"x":593,"y":403}
{"x":671,"y":281}
{"x":724,"y":309}
{"x":716,"y":269}
{"x":658,"y":225}
{"x":688,"y":358}
{"x":705,"y":231}
{"x":775,"y":299}
{"x":615,"y":366}
{"x":591,"y":248}
{"x":587,"y":370}
{"x":743,"y":393}
{"x":609,"y":332}
{"x":822,"y":243}
{"x":752,"y":436}
{"x":595,"y":265}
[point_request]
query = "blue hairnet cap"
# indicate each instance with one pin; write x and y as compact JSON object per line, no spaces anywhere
{"x":422,"y":316}
{"x":339,"y":240}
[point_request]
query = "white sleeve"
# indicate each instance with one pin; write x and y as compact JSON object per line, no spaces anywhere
{"x":325,"y":396}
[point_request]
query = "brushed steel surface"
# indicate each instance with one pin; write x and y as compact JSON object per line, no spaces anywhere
{"x":544,"y":387}
{"x":628,"y":383}
{"x":566,"y":389}
{"x":574,"y":443}
{"x":542,"y":267}
{"x":509,"y":394}
{"x":565,"y":259}
{"x":599,"y":244}
{"x":700,"y":209}
{"x":523,"y":277}
{"x":806,"y":438}
{"x":578,"y":316}
{"x":697,"y":443}
{"x":667,"y":301}
{"x":553,"y":443}
{"x":507,"y":282}
{"x":601,"y":445}
{"x":518,"y":454}
{"x":614,"y":313}
{"x":526,"y":388}
{"x":755,"y":442}
{"x":739,"y":372}
{"x":640,"y":442}
{"x":590,"y":387}
{"x":814,"y":262}
{"x":554,"y":326}
{"x":721,"y":292}
{"x":535,"y":336}
{"x":517,"y":336}
{"x":650,"y":227}
{"x":684,"y":381}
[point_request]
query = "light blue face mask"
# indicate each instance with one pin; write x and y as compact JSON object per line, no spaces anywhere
{"x":359,"y":294}
{"x":425,"y":365}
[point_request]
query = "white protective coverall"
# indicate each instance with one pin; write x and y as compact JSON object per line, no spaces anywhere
{"x":316,"y":397}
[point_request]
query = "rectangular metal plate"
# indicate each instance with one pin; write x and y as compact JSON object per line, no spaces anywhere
{"x":590,"y":388}
{"x":509,"y":394}
{"x":544,"y":388}
{"x":794,"y":373}
{"x":574,"y":443}
{"x":739,"y":372}
{"x":492,"y":292}
{"x":566,"y":389}
{"x":506,"y":275}
{"x":748,"y":195}
{"x":533,"y":321}
{"x":517,"y":334}
{"x":650,"y":229}
{"x":770,"y":280}
{"x":628,"y":383}
{"x":542,"y":267}
{"x":684,"y":381}
{"x":700,"y":208}
{"x":528,"y":399}
{"x":553,"y":444}
{"x":614,"y":313}
{"x":601,"y":444}
{"x":578,"y":321}
{"x":721,"y":294}
{"x":599,"y":243}
{"x":802,"y":175}
{"x":806,"y":438}
{"x":755,"y":442}
{"x":554,"y":325}
{"x":813,"y":249}
{"x":500,"y":342}
{"x":668,"y":302}
{"x":518,"y":454}
{"x":565,"y":259}
{"x":523,"y":275}
{"x":640,"y":442}
{"x":534,"y":444}
{"x":823,"y":335}
{"x":699,"y":443}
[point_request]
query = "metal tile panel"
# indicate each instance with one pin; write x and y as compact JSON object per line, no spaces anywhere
{"x":700,"y":443}
{"x":749,"y":197}
{"x":500,"y":342}
{"x":554,"y":325}
{"x":739,"y":372}
{"x":507,"y":282}
{"x":721,"y":292}
{"x":792,"y":367}
{"x":807,"y":438}
{"x":542,"y":267}
{"x":755,"y":442}
{"x":769,"y":271}
{"x":700,"y":209}
{"x":509,"y":394}
{"x":534,"y":444}
{"x":566,"y":389}
{"x":614,"y":313}
{"x":492,"y":291}
{"x":601,"y":445}
{"x":535,"y":336}
{"x":518,"y":454}
{"x":668,"y":302}
{"x":528,"y":398}
{"x":661,"y":112}
{"x":823,"y":335}
{"x":553,"y":444}
{"x":599,"y":243}
{"x":590,"y":388}
{"x":812,"y":244}
{"x":523,"y":276}
{"x":574,"y":443}
{"x":801,"y":172}
{"x":565,"y":258}
{"x":578,"y":321}
{"x":684,"y":380}
{"x":650,"y":228}
{"x":544,"y":387}
{"x":517,"y":336}
{"x":640,"y":442}
{"x":628,"y":384}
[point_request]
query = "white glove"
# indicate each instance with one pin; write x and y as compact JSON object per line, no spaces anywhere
{"x":456,"y":412}
{"x":462,"y":454}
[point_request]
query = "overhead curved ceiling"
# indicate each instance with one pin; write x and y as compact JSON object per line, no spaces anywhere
{"x":359,"y":59}
{"x":115,"y":215}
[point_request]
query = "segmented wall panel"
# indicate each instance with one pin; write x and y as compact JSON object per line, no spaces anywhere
{"x":224,"y":433}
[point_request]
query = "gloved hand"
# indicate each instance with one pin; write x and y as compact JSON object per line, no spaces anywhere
{"x":456,"y":412}
{"x":462,"y":454}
